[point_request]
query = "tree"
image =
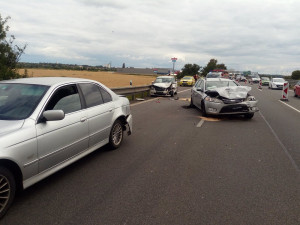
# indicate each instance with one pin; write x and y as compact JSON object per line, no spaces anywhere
{"x":189,"y":70}
{"x":296,"y":75}
{"x":212,"y":65}
{"x":9,"y":53}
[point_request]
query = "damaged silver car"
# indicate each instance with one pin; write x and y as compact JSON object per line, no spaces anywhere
{"x":219,"y":96}
{"x":164,"y":85}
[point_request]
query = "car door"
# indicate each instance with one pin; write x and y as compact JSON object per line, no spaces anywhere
{"x":100,"y":110}
{"x":198,"y":95}
{"x":60,"y":140}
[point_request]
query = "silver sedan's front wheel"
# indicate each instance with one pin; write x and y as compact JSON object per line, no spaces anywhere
{"x":7,"y":190}
{"x":116,"y":134}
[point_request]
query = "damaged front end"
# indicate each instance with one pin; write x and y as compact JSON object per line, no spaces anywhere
{"x":230,"y":100}
{"x":161,"y":90}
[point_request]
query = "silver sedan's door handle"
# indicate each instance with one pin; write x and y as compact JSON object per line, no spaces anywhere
{"x":111,"y":109}
{"x":83,"y":119}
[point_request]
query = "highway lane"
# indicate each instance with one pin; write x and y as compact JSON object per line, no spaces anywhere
{"x":171,"y":171}
{"x":283,"y":118}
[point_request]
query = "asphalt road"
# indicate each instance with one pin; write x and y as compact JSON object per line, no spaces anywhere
{"x":180,"y":168}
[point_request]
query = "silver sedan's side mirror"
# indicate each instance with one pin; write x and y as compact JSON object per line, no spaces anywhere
{"x":53,"y":115}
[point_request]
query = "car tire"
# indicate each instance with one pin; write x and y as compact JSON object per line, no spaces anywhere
{"x":7,"y":190}
{"x":295,"y":94}
{"x":249,"y":115}
{"x":203,"y":110}
{"x":116,"y":135}
{"x":172,"y":93}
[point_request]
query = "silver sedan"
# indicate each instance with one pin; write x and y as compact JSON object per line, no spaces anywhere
{"x":219,"y":96}
{"x":48,"y":123}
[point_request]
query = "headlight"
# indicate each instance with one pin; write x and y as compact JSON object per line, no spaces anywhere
{"x":215,"y":100}
{"x":251,"y":98}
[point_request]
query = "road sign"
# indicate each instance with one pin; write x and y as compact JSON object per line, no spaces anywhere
{"x":173,"y":59}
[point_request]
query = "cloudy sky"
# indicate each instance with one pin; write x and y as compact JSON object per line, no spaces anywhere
{"x":256,"y":35}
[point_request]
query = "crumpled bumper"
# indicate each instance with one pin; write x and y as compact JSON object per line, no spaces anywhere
{"x":129,"y":124}
{"x":228,"y":109}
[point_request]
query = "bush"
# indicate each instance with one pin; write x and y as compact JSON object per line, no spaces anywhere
{"x":9,"y":53}
{"x":296,"y":75}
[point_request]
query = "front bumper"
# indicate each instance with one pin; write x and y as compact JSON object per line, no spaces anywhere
{"x":277,"y":86}
{"x":231,"y":109}
{"x":161,"y":91}
{"x":185,"y":83}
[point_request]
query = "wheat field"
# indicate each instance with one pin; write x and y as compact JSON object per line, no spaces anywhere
{"x":109,"y":79}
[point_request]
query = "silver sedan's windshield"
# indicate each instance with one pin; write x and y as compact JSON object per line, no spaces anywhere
{"x":210,"y":85}
{"x":17,"y":101}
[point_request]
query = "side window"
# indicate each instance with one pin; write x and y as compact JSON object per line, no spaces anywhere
{"x":197,"y":83}
{"x":65,"y":98}
{"x":202,"y":85}
{"x":105,"y":95}
{"x":91,"y":94}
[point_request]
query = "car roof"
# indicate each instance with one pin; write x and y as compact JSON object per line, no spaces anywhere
{"x":48,"y":81}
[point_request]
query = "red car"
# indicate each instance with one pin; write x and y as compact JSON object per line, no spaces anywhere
{"x":297,"y":89}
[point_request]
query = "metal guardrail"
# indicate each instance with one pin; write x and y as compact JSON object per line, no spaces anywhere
{"x":292,"y":83}
{"x":133,"y":92}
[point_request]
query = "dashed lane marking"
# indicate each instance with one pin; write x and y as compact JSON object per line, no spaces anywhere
{"x":289,"y":106}
{"x":200,"y":123}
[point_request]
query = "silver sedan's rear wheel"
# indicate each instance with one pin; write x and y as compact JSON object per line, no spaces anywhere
{"x":116,"y":134}
{"x":7,"y":190}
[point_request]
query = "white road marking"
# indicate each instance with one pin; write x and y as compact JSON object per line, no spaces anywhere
{"x":290,"y":106}
{"x":200,"y":123}
{"x":281,"y":144}
{"x":152,"y":99}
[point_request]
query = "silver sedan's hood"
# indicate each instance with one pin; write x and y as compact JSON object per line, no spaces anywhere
{"x":7,"y":126}
{"x":231,"y":92}
{"x":163,"y":85}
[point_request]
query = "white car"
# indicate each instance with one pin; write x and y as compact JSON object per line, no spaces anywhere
{"x":276,"y":83}
{"x":254,"y":78}
{"x":164,"y":85}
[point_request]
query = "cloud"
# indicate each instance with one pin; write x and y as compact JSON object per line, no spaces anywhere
{"x":257,"y":35}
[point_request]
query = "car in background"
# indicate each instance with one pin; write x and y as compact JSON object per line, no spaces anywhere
{"x":276,"y":83}
{"x":214,"y":75}
{"x":219,"y":96}
{"x":297,"y":89}
{"x":265,"y":81}
{"x":187,"y":81}
{"x":48,"y":123}
{"x":243,"y":78}
{"x":254,"y":78}
{"x":164,"y":85}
